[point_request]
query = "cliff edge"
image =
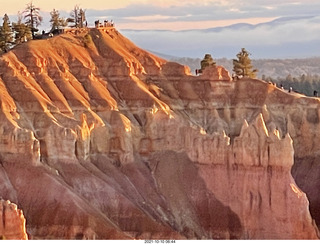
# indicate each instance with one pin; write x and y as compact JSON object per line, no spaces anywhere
{"x":121,"y":144}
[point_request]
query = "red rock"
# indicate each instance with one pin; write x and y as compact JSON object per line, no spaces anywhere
{"x":112,"y":142}
{"x":218,"y":73}
{"x":13,"y":223}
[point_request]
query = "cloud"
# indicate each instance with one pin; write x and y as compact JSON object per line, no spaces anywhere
{"x":162,"y":11}
{"x":282,"y":38}
{"x":149,"y":18}
{"x":146,"y":11}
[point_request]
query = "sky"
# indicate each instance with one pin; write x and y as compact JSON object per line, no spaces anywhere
{"x":172,"y":14}
{"x":278,"y":28}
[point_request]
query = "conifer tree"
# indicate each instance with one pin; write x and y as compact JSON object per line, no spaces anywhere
{"x":207,"y":61}
{"x":6,"y":37}
{"x":82,"y":17}
{"x":32,"y":17}
{"x":22,"y":32}
{"x":73,"y":19}
{"x":56,"y":21}
{"x":77,"y":17}
{"x":242,"y":66}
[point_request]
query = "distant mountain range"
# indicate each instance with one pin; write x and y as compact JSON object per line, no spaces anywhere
{"x":286,"y":37}
{"x":273,"y":23}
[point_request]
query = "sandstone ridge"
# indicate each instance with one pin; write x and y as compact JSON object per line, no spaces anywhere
{"x":121,"y":144}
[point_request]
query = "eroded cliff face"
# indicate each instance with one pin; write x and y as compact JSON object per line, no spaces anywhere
{"x":107,"y":141}
{"x":13,"y":223}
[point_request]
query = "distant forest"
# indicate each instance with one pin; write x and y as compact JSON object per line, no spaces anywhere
{"x":306,"y":84}
{"x":303,"y":75}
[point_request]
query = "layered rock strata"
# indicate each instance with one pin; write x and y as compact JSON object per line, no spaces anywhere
{"x":121,"y":144}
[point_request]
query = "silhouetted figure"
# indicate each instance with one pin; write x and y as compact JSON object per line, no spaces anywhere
{"x":315,"y":93}
{"x":198,"y":71}
{"x":290,"y":89}
{"x":96,"y":23}
{"x":281,"y":86}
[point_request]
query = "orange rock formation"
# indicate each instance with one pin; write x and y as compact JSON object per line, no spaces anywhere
{"x":104,"y":140}
{"x":13,"y":223}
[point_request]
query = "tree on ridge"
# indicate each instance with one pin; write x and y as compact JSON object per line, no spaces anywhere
{"x":77,"y":17}
{"x":207,"y":61}
{"x":242,"y":66}
{"x":56,"y":21}
{"x":22,"y":32}
{"x":82,"y":17}
{"x":32,"y":17}
{"x":6,"y":37}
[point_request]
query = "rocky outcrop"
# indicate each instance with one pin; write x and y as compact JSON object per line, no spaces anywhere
{"x":252,"y":176}
{"x":13,"y":223}
{"x":218,"y":73}
{"x":120,"y":144}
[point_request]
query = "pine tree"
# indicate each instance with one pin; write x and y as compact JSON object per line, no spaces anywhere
{"x":32,"y":17}
{"x":242,"y":66}
{"x":77,"y":17}
{"x":82,"y":17}
{"x":207,"y":61}
{"x":56,"y":21}
{"x":22,"y":32}
{"x":6,"y":37}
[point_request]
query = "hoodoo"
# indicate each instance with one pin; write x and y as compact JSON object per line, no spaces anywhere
{"x":13,"y":223}
{"x":100,"y":139}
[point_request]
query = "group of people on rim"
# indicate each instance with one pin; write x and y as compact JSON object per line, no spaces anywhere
{"x":106,"y":23}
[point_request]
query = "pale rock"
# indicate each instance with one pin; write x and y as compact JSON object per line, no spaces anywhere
{"x":112,"y":142}
{"x":83,"y":139}
{"x":13,"y":223}
{"x":218,"y":73}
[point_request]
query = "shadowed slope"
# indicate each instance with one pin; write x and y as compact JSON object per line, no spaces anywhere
{"x":101,"y":139}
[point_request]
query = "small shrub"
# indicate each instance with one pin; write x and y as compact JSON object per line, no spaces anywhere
{"x":87,"y":40}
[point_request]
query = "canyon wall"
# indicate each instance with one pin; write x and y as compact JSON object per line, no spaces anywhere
{"x":104,"y":140}
{"x":13,"y":223}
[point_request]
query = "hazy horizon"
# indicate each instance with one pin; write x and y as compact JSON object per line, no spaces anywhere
{"x":174,"y":14}
{"x":184,"y":24}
